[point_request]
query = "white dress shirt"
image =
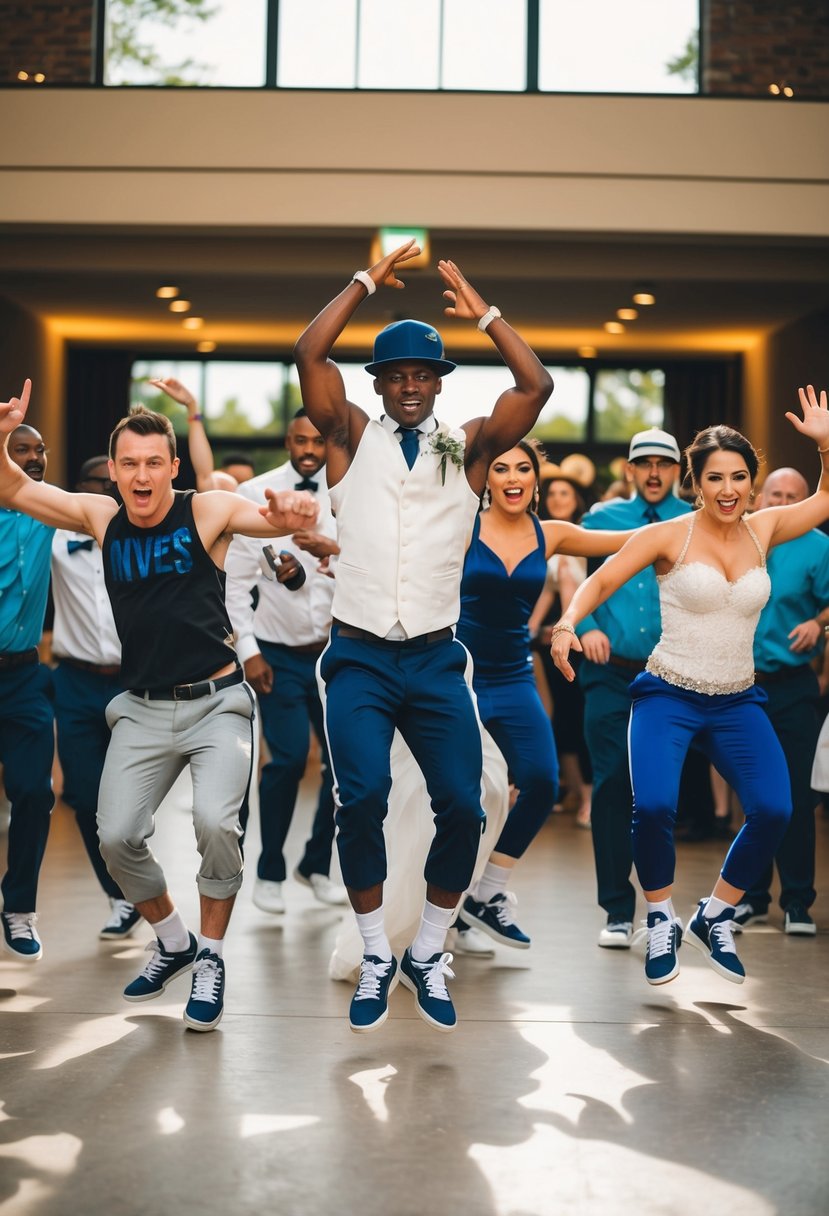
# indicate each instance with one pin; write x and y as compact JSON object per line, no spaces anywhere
{"x":288,"y":618}
{"x":84,"y":627}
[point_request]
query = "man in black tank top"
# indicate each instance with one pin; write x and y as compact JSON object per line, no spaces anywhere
{"x":187,"y":702}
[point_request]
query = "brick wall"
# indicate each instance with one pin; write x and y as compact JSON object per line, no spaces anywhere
{"x":54,"y":37}
{"x":748,"y":45}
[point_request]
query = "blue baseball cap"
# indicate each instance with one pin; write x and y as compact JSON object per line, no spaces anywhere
{"x":409,"y":342}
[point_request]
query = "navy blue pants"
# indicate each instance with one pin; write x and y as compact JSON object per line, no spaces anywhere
{"x":792,"y":710}
{"x":512,"y":712}
{"x":81,"y":698}
{"x":286,"y":713}
{"x":27,"y":747}
{"x":371,"y":688}
{"x":734,"y":732}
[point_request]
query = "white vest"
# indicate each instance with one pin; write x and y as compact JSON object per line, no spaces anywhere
{"x":402,"y":534}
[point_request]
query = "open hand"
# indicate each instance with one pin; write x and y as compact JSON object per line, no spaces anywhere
{"x":464,"y":301}
{"x":815,"y":420}
{"x":13,"y":411}
{"x":176,"y":390}
{"x":384,"y":271}
{"x":563,"y":642}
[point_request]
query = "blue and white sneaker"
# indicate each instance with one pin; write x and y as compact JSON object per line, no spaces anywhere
{"x":664,"y":940}
{"x":428,"y":983}
{"x":496,"y":919}
{"x":747,"y":914}
{"x":714,"y":937}
{"x":369,"y":1006}
{"x":122,"y":921}
{"x":206,"y":1005}
{"x":162,"y":969}
{"x":20,"y":936}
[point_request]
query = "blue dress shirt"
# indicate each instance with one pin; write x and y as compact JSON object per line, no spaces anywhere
{"x":799,"y":573}
{"x":25,"y":558}
{"x":630,"y":617}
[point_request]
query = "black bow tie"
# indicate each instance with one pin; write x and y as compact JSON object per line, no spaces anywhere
{"x":74,"y":545}
{"x":307,"y":483}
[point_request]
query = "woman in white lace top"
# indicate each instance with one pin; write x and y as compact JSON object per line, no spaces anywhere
{"x":699,"y":683}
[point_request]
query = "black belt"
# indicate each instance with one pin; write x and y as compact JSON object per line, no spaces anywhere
{"x":423,"y":639}
{"x":782,"y":673}
{"x":99,"y":669}
{"x":190,"y":692}
{"x":637,"y":665}
{"x":19,"y":658}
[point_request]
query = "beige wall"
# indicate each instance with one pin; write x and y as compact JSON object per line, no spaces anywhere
{"x":489,"y":162}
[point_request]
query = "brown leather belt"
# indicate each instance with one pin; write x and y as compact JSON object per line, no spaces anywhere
{"x":98,"y":669}
{"x":637,"y":665}
{"x":363,"y":635}
{"x":22,"y":658}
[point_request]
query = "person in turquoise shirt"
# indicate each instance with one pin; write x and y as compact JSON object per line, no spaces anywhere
{"x":786,"y":641}
{"x":26,"y":715}
{"x":617,"y":639}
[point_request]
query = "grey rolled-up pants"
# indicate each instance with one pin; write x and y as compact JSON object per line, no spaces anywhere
{"x":152,"y":742}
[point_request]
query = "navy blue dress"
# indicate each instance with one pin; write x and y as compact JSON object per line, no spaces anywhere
{"x":493,"y":625}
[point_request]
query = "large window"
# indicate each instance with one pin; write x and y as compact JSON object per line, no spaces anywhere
{"x":606,"y":46}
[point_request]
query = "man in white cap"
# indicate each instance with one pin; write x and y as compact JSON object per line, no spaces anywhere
{"x":617,"y":639}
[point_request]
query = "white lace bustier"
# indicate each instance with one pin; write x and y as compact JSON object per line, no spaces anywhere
{"x":708,"y":624}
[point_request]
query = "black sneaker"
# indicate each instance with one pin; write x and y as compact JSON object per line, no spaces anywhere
{"x":163,"y":967}
{"x":746,"y":914}
{"x":122,"y":921}
{"x":798,"y":922}
{"x":617,"y":934}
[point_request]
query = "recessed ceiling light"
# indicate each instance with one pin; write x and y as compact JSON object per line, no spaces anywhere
{"x":774,"y":89}
{"x":614,"y":327}
{"x":643,"y":298}
{"x":167,"y":293}
{"x":587,"y":352}
{"x":180,"y":306}
{"x":22,"y":75}
{"x":788,"y":91}
{"x":627,"y":314}
{"x":206,"y":347}
{"x":38,"y":78}
{"x":193,"y":322}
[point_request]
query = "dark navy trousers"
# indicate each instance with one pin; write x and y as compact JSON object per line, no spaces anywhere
{"x":511,"y":711}
{"x":371,"y":687}
{"x":734,"y":732}
{"x":27,"y":746}
{"x":81,"y":698}
{"x":286,"y":713}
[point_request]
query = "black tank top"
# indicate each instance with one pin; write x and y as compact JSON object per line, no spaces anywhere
{"x":168,"y":599}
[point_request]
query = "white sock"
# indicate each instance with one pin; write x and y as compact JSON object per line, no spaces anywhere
{"x":373,"y":932}
{"x":493,"y":881}
{"x":713,"y":907}
{"x":214,"y":945}
{"x":172,"y":932}
{"x":662,"y":905}
{"x":431,"y":936}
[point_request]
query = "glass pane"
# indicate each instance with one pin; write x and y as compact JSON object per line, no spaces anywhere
{"x":564,"y":417}
{"x":191,"y":374}
{"x":317,"y":44}
{"x":628,"y":401}
{"x":619,"y":46}
{"x":484,"y":45}
{"x":244,"y":399}
{"x":186,"y":42}
{"x":399,"y":43}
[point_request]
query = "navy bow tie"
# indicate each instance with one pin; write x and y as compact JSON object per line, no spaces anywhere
{"x":409,"y":443}
{"x":74,"y":545}
{"x":307,"y":483}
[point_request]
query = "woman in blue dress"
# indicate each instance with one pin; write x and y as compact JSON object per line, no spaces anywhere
{"x":504,"y":573}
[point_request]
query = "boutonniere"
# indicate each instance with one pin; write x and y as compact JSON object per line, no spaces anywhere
{"x":449,"y":446}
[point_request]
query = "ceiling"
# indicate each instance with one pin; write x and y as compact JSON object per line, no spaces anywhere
{"x":256,"y":290}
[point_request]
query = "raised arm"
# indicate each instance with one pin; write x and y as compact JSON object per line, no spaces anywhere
{"x":516,"y":410}
{"x":201,"y":453}
{"x":323,"y":392}
{"x":775,"y":525}
{"x":220,"y":515}
{"x":59,"y":509}
{"x":575,"y":541}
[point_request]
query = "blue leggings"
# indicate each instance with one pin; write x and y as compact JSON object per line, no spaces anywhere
{"x":735,"y":734}
{"x":512,"y":712}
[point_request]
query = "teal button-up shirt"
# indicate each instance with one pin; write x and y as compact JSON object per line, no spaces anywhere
{"x":630,"y":617}
{"x":25,"y":556}
{"x":799,"y":573}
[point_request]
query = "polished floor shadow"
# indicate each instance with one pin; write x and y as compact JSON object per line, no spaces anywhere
{"x":570,"y":1087}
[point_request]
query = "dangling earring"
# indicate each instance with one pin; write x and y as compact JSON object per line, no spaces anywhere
{"x":486,"y":498}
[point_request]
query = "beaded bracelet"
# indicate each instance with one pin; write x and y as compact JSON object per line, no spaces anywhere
{"x":562,"y":627}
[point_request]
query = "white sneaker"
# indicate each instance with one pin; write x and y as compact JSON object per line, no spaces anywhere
{"x":326,"y":891}
{"x":469,"y":941}
{"x":268,"y":896}
{"x":616,"y":935}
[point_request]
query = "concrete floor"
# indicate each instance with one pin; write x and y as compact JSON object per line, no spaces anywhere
{"x":570,"y":1087}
